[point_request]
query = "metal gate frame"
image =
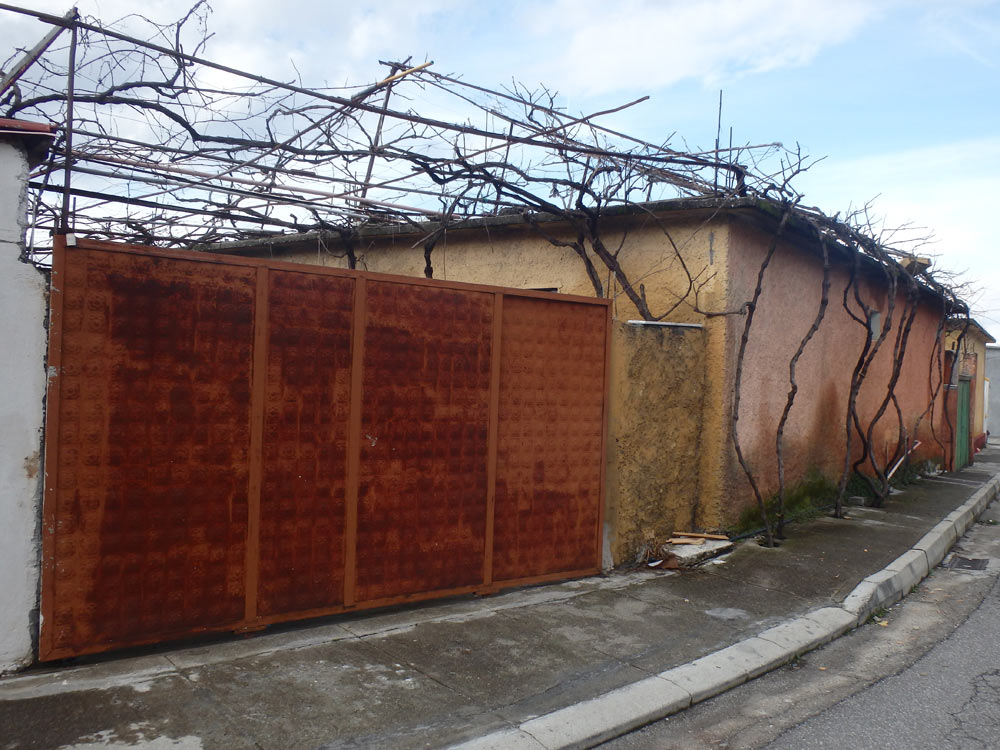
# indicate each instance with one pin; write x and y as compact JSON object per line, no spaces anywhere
{"x":252,"y":619}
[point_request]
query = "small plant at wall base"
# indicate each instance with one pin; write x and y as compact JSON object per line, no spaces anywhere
{"x":806,"y":499}
{"x":858,"y":486}
{"x":861,"y":486}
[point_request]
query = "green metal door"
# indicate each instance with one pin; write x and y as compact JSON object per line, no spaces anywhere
{"x":962,"y":426}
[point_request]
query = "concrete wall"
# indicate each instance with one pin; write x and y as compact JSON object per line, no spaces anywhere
{"x":22,"y":389}
{"x":654,"y":435}
{"x":993,"y":406}
{"x":814,"y":435}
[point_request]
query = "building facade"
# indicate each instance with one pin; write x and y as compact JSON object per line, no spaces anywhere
{"x":672,"y":463}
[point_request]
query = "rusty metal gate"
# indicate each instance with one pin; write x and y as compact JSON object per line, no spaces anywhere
{"x":235,"y":442}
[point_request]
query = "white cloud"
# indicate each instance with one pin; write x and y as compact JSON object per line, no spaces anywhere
{"x":330,"y":42}
{"x":645,"y":44}
{"x":963,"y":26}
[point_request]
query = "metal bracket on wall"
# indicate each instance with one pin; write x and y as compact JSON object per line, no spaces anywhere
{"x":664,"y":323}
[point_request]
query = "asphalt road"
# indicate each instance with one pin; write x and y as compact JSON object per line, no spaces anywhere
{"x":926,"y":674}
{"x":950,"y":698}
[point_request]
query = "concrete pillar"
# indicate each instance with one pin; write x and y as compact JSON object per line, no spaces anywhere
{"x":22,"y":391}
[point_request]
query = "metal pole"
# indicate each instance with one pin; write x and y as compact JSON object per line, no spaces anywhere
{"x":378,"y":130}
{"x":31,"y":56}
{"x":64,"y":224}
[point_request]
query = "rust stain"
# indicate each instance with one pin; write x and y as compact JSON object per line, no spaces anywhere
{"x":150,"y":509}
{"x":422,"y":494}
{"x":153,"y":431}
{"x":550,"y":436}
{"x":305,"y":442}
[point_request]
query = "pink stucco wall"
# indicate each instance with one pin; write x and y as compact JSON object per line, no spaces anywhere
{"x":815,"y":432}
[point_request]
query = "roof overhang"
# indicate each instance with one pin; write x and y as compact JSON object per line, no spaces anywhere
{"x":34,"y":137}
{"x":970,"y":325}
{"x":763,"y":213}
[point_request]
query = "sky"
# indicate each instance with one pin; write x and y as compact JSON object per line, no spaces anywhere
{"x":898,"y":101}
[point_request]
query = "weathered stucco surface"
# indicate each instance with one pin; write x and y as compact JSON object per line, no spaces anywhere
{"x":654,"y":434}
{"x":519,"y":256}
{"x":814,"y":434}
{"x":22,"y":385}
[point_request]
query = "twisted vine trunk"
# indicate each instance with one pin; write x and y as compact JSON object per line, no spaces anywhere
{"x":794,"y":387}
{"x":751,"y":309}
{"x":936,"y":364}
{"x":898,"y":353}
{"x":860,"y":372}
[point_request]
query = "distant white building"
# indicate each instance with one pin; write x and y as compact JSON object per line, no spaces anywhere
{"x":993,"y":394}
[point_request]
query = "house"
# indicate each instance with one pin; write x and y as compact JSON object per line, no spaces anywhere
{"x":966,"y":343}
{"x":993,"y":391}
{"x":710,"y":299}
{"x":692,"y":265}
{"x":389,"y":409}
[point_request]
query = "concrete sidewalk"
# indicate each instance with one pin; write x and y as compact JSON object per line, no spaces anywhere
{"x":564,"y":665}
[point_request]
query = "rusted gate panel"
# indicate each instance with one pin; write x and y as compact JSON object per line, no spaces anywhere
{"x":304,"y":462}
{"x":146,"y":492}
{"x":549,"y":473}
{"x":422,"y":492}
{"x":233,"y":442}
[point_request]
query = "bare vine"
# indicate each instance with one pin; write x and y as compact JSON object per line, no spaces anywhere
{"x":168,"y":147}
{"x":793,"y":386}
{"x":751,"y":308}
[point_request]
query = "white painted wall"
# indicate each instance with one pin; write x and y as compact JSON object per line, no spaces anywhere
{"x":22,"y":388}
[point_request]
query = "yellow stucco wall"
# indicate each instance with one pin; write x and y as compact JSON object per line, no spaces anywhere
{"x":520,"y":257}
{"x":972,"y":343}
{"x":654,"y":431}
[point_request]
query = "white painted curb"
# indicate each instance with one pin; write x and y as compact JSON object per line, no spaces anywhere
{"x":614,"y":713}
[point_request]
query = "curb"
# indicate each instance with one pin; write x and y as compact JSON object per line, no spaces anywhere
{"x":619,"y":711}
